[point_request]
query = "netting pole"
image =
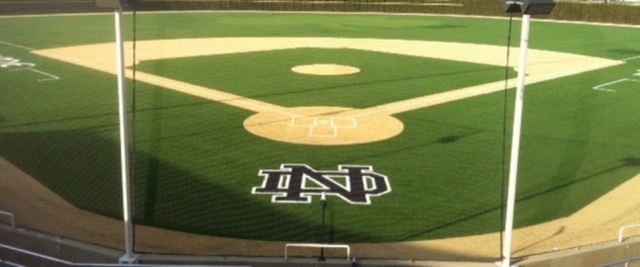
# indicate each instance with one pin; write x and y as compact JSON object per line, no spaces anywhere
{"x":128,"y":256}
{"x":515,"y":143}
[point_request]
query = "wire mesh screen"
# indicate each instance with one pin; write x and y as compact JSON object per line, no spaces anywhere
{"x":246,"y":122}
{"x":386,"y":131}
{"x":58,"y":131}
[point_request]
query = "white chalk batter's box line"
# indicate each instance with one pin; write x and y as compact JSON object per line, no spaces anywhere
{"x":603,"y":87}
{"x":50,"y":77}
{"x":15,"y":64}
{"x":315,"y":123}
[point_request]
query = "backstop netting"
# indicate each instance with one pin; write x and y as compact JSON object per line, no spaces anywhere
{"x":377,"y":125}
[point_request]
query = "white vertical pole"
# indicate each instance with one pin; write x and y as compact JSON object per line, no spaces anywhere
{"x":124,"y":142}
{"x":515,"y":141}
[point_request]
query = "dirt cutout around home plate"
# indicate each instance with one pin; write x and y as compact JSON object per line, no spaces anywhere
{"x":323,"y":126}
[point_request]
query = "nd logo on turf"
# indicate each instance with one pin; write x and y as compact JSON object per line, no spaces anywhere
{"x":7,"y":62}
{"x":297,"y":183}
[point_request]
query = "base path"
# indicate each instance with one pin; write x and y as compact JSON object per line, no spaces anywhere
{"x":346,"y":126}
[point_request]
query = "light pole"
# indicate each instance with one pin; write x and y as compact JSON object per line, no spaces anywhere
{"x":528,"y":8}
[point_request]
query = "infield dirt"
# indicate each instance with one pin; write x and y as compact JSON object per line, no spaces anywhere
{"x":342,"y":126}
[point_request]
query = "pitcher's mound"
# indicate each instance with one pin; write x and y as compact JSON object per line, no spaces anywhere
{"x":325,"y":69}
{"x":323,"y":126}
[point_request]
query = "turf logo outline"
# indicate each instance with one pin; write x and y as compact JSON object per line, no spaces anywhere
{"x":7,"y":62}
{"x":297,"y":183}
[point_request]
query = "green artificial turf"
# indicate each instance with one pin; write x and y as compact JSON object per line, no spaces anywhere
{"x":383,"y":78}
{"x":195,"y":165}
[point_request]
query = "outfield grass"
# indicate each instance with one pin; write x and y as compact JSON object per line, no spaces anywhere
{"x":195,"y":165}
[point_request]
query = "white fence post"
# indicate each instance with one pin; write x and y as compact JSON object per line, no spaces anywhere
{"x":621,"y":232}
{"x":10,"y":215}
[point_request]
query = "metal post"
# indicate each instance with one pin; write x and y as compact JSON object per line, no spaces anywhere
{"x":515,"y":143}
{"x":323,"y":204}
{"x":128,"y":257}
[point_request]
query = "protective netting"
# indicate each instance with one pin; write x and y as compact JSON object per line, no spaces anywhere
{"x":58,"y":133}
{"x":249,"y":130}
{"x":201,"y":169}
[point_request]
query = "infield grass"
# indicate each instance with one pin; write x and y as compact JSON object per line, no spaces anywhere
{"x":383,"y":77}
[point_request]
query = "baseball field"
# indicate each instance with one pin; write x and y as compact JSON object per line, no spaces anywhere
{"x":241,"y":123}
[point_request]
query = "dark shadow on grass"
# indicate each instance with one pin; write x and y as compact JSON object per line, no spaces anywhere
{"x":444,"y":140}
{"x":82,"y":166}
{"x":95,"y":116}
{"x":626,"y":162}
{"x":186,"y":202}
{"x":629,"y":52}
{"x":78,"y":165}
{"x":453,"y":138}
{"x":55,"y":121}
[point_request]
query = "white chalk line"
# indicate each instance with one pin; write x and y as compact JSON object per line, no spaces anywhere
{"x":17,"y":46}
{"x":209,"y":93}
{"x":50,"y":76}
{"x":316,"y":122}
{"x":631,"y":58}
{"x":603,"y":87}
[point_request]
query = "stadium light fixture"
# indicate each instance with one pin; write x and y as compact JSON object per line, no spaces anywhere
{"x":538,"y":7}
{"x":129,"y":257}
{"x":509,"y":6}
{"x":528,"y":8}
{"x":115,"y":3}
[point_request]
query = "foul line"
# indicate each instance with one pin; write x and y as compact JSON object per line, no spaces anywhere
{"x":208,"y":93}
{"x":51,"y":76}
{"x":631,"y":58}
{"x":17,"y":45}
{"x":473,"y":91}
